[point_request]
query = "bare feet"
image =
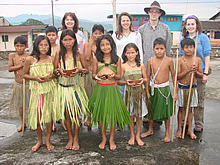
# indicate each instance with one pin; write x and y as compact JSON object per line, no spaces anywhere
{"x":179,"y":133}
{"x":167,"y":139}
{"x":37,"y":146}
{"x":75,"y":145}
{"x":102,"y":144}
{"x":19,"y":129}
{"x":192,"y":135}
{"x":139,"y":141}
{"x":49,"y":146}
{"x":131,"y":141}
{"x":69,"y":144}
{"x":54,"y":127}
{"x":87,"y":123}
{"x":112,"y":145}
{"x":146,"y":134}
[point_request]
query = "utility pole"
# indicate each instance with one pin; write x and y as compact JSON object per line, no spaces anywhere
{"x":52,"y":12}
{"x":114,"y":15}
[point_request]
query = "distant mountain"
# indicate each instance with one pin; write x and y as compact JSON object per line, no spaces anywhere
{"x":47,"y":19}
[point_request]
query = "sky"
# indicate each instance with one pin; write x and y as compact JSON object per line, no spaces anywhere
{"x":98,"y":10}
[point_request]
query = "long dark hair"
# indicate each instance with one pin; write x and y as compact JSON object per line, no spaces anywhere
{"x":36,"y":52}
{"x":100,"y":54}
{"x":63,"y":49}
{"x":119,"y":26}
{"x":185,"y":33}
{"x":137,"y":58}
{"x":76,"y":24}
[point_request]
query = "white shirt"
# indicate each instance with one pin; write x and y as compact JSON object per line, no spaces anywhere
{"x":133,"y":37}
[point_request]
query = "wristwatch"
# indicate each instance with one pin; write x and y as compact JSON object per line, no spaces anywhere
{"x":205,"y":73}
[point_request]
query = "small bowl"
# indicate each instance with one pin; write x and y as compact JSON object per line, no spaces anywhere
{"x":69,"y":72}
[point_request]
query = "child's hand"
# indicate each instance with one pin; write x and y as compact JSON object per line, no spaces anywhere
{"x":62,"y":72}
{"x":130,"y":83}
{"x":111,"y":76}
{"x":140,"y":83}
{"x":83,"y":72}
{"x":175,"y":97}
{"x":77,"y":70}
{"x":194,"y":68}
{"x":39,"y":79}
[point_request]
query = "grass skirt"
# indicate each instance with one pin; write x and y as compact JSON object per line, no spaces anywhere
{"x":16,"y":101}
{"x":74,"y":99}
{"x":41,"y":99}
{"x":160,"y":110}
{"x":89,"y":84}
{"x":107,"y":105}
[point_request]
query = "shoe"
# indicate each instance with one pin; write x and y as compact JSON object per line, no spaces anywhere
{"x":198,"y":129}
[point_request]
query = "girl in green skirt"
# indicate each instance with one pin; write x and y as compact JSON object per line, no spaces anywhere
{"x":106,"y":102}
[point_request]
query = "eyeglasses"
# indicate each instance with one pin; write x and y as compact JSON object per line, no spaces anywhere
{"x":154,"y":11}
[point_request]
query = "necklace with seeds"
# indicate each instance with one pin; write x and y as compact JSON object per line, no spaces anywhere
{"x":132,"y":65}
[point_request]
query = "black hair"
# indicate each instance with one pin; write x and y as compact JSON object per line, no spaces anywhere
{"x":98,"y":27}
{"x":159,"y":41}
{"x":20,"y":39}
{"x":188,"y":42}
{"x":36,"y":51}
{"x":137,"y":58}
{"x":63,"y":49}
{"x":100,"y":54}
{"x":51,"y":29}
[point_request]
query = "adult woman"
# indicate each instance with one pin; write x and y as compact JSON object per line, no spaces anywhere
{"x":70,"y":21}
{"x":190,"y":28}
{"x":124,"y":35}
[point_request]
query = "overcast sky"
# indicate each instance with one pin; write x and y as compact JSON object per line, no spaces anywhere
{"x":98,"y":10}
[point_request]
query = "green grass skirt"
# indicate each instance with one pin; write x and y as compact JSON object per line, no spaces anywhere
{"x":107,"y":105}
{"x":160,"y":110}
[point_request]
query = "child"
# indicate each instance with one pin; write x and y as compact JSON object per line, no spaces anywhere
{"x":39,"y":70}
{"x":71,"y":98}
{"x":51,"y":33}
{"x":185,"y":69}
{"x":15,"y":64}
{"x":106,"y":102}
{"x":135,"y":95}
{"x":90,"y":49}
{"x":158,"y":69}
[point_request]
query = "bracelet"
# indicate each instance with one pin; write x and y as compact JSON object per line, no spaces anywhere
{"x":97,"y":78}
{"x":205,"y":73}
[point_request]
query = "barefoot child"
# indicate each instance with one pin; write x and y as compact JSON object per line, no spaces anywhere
{"x":135,"y":95}
{"x":158,"y":90}
{"x":106,"y":102}
{"x":185,"y":69}
{"x":39,"y":70}
{"x":90,"y":49}
{"x":15,"y":64}
{"x":51,"y":33}
{"x":71,"y":97}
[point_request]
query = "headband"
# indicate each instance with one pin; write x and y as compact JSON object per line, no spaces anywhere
{"x":190,"y":17}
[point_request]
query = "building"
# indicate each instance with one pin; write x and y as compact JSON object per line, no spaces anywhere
{"x":8,"y":33}
{"x":174,"y":21}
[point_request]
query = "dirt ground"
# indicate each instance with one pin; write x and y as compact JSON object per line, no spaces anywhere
{"x":204,"y":150}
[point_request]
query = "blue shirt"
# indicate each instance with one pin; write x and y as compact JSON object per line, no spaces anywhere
{"x":203,"y":48}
